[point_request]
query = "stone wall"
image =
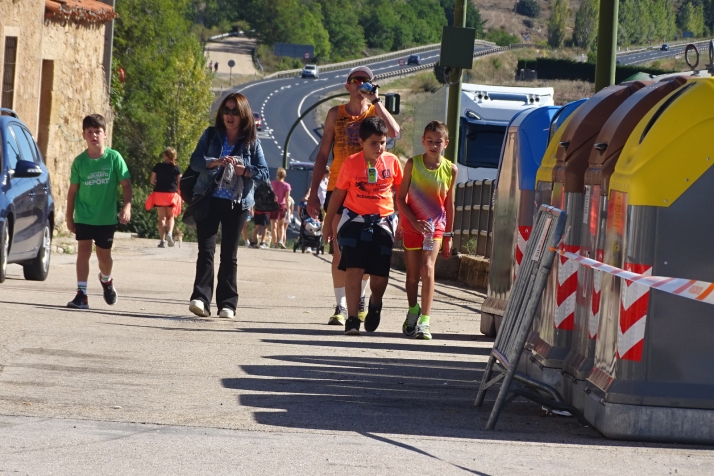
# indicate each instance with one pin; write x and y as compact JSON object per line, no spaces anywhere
{"x":72,"y":56}
{"x":23,"y":19}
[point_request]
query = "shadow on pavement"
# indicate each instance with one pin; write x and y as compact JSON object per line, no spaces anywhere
{"x":389,"y":396}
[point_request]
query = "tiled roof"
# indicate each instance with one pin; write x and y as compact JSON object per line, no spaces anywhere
{"x":90,"y":11}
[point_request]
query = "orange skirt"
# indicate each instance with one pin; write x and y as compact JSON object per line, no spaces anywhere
{"x":164,"y":199}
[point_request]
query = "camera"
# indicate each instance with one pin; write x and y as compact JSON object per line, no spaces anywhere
{"x":369,"y":88}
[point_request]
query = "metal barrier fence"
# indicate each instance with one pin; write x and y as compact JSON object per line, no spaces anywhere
{"x":473,"y":219}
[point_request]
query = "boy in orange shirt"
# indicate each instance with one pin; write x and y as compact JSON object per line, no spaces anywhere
{"x":365,"y":234}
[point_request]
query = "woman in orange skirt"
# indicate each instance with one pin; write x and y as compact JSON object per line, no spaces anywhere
{"x":165,"y":177}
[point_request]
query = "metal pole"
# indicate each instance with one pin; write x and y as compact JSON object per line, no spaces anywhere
{"x":307,"y":111}
{"x":454,"y":104}
{"x":606,"y":44}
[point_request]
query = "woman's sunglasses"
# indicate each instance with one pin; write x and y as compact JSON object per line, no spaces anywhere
{"x":358,"y":79}
{"x":227,"y":110}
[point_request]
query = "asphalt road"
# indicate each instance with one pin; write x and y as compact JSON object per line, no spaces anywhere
{"x":282,"y":101}
{"x":638,"y":57}
{"x":145,"y":387}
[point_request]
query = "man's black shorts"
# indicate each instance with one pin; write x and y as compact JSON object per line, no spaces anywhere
{"x":103,"y":235}
{"x":328,"y":195}
{"x":373,"y":256}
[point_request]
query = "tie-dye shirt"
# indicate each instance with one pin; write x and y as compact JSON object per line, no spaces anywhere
{"x":427,"y":193}
{"x":346,"y":142}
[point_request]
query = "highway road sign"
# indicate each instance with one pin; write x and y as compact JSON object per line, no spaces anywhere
{"x":306,"y":55}
{"x":402,"y":61}
{"x":231,"y":63}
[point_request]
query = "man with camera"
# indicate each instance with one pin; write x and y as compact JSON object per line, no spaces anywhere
{"x":341,"y":135}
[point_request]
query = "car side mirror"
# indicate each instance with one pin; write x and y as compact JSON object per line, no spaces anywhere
{"x":27,"y":169}
{"x":391,"y":102}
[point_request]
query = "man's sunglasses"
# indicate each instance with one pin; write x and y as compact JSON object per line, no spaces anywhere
{"x":227,"y":110}
{"x":358,"y":79}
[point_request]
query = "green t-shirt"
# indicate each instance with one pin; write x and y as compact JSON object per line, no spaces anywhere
{"x":96,"y":201}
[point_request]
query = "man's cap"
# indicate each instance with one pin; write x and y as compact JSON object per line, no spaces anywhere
{"x":361,"y":69}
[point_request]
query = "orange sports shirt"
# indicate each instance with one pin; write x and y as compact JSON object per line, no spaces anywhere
{"x":367,"y":198}
{"x":346,"y":142}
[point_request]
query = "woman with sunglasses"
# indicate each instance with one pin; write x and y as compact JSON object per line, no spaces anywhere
{"x":229,"y":158}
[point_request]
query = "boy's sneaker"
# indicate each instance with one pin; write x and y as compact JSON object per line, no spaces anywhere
{"x":162,"y":244}
{"x":110,"y":294}
{"x":227,"y":313}
{"x":253,"y":245}
{"x":361,"y":311}
{"x":371,"y":321}
{"x":281,"y":245}
{"x":197,"y":307}
{"x":170,"y":240}
{"x":422,"y":329}
{"x":263,"y":246}
{"x":338,"y":318}
{"x":410,"y":323}
{"x":352,"y":326}
{"x":79,"y":302}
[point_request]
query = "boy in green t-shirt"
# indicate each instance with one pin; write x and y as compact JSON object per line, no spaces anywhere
{"x":92,"y":207}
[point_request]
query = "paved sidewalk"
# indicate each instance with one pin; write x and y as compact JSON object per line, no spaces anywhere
{"x":143,"y":387}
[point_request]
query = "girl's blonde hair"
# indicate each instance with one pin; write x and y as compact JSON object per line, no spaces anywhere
{"x":170,"y":152}
{"x":281,"y":173}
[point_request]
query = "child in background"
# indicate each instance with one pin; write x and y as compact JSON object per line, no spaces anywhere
{"x":92,"y":207}
{"x":365,"y":234}
{"x":426,"y":193}
{"x":261,"y":220}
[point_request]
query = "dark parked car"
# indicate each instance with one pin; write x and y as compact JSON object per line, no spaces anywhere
{"x":26,"y":204}
{"x":258,"y":121}
{"x":414,"y":59}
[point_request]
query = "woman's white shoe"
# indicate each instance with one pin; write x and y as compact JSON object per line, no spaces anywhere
{"x":227,"y":313}
{"x":197,"y":307}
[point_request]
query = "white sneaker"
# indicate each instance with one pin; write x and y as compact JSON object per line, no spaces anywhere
{"x":227,"y":313}
{"x":170,"y":240}
{"x":197,"y":307}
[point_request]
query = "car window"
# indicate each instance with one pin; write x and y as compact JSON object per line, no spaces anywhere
{"x":12,"y":150}
{"x":33,"y":145}
{"x":26,"y":152}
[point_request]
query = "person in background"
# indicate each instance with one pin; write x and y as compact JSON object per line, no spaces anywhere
{"x":261,"y":220}
{"x":322,"y":190}
{"x":288,"y":216}
{"x":246,"y":241}
{"x":426,"y":200}
{"x":229,"y":158}
{"x":341,"y":136}
{"x":165,"y":177}
{"x":282,"y":191}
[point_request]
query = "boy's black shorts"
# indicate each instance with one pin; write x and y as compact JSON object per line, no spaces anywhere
{"x":261,"y":219}
{"x":369,"y":255}
{"x":103,"y":235}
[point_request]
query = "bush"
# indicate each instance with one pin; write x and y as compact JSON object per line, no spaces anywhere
{"x":529,"y":8}
{"x":501,"y":37}
{"x":551,"y":68}
{"x":528,"y":23}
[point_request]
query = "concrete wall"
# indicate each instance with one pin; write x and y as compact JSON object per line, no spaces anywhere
{"x":73,"y":86}
{"x":59,"y":79}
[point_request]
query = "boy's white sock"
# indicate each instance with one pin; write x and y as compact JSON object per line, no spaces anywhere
{"x":365,"y":282}
{"x":82,"y":286}
{"x":340,"y":298}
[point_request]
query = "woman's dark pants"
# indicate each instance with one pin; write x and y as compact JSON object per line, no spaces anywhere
{"x":231,"y":217}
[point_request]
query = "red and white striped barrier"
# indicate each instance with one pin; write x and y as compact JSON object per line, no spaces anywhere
{"x":567,"y":290}
{"x":524,"y":232}
{"x":637,"y":282}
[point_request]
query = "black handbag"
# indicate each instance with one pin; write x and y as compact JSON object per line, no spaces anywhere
{"x":190,"y":176}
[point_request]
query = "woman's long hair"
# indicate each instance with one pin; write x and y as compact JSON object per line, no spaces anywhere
{"x":247,"y":124}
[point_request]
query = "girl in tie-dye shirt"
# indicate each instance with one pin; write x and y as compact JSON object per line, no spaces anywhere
{"x":427,"y":192}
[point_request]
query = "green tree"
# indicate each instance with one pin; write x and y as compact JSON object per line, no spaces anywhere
{"x":586,"y":23}
{"x":529,"y":8}
{"x":709,"y":15}
{"x":691,"y":18}
{"x":501,"y":37}
{"x":166,"y":98}
{"x":341,"y":21}
{"x":557,"y":22}
{"x":473,"y":16}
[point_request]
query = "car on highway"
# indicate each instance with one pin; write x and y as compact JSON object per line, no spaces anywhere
{"x":26,"y":204}
{"x":664,"y":47}
{"x":311,"y":71}
{"x":258,"y":120}
{"x":414,"y":59}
